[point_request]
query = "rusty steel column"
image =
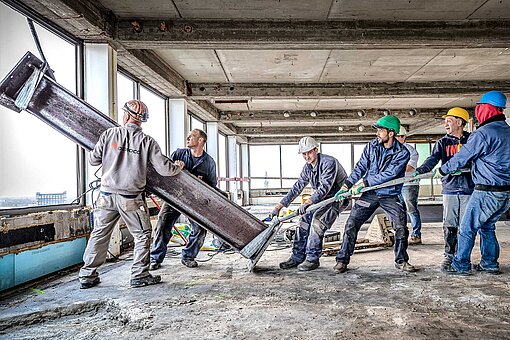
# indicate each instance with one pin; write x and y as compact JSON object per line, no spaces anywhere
{"x":83,"y":124}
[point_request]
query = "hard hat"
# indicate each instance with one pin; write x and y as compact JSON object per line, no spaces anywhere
{"x":496,"y":98}
{"x":402,"y":131}
{"x":388,"y":122}
{"x":137,"y":110}
{"x":458,"y":112}
{"x":306,"y":144}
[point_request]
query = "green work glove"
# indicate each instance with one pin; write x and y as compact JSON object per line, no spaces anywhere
{"x":357,"y":188}
{"x":456,"y":173}
{"x":414,"y":174}
{"x":341,"y":193}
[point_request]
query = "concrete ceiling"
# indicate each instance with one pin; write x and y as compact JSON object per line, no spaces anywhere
{"x":275,"y":70}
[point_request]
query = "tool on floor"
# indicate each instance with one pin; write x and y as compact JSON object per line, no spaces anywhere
{"x":259,"y":244}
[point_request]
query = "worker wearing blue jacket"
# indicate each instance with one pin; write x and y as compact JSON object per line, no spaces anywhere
{"x":456,"y":189}
{"x":488,"y":149}
{"x":202,"y":165}
{"x":383,"y":159}
{"x":325,"y":175}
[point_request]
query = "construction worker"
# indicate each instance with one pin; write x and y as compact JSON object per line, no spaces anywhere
{"x":199,"y":163}
{"x":488,"y":150}
{"x":383,"y":159}
{"x":410,"y":190}
{"x":325,"y":175}
{"x":124,"y":153}
{"x":456,"y":189}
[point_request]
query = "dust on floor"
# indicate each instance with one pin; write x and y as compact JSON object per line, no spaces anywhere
{"x":220,"y":299}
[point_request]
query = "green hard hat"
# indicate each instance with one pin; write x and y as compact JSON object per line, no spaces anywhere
{"x":388,"y":122}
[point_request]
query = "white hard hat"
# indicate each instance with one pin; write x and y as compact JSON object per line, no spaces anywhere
{"x":402,"y":131}
{"x":306,"y":144}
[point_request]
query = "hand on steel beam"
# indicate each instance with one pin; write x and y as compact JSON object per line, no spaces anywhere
{"x":340,"y":195}
{"x":356,"y":189}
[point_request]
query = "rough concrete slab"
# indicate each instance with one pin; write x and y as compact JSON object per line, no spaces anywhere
{"x":220,"y":299}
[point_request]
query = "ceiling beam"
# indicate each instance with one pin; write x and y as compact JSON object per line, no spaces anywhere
{"x":293,"y":116}
{"x":335,"y":90}
{"x":297,"y":130}
{"x":299,"y":34}
{"x":85,"y":19}
{"x":362,"y":139}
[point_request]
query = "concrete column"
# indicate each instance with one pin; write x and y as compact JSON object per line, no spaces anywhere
{"x":232,"y":166}
{"x":245,"y":173}
{"x":178,"y":124}
{"x":212,"y":141}
{"x":101,"y":78}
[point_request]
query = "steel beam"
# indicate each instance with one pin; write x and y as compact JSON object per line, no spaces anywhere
{"x":342,"y":90}
{"x":83,"y":124}
{"x":301,"y":34}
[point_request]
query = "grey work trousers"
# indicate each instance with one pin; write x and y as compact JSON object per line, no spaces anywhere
{"x":454,"y":207}
{"x":134,"y":212}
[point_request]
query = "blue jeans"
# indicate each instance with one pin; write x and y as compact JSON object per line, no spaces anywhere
{"x":454,"y":207}
{"x":361,"y":211}
{"x":482,"y":212}
{"x":310,"y":233}
{"x":410,"y":197}
{"x":163,"y":233}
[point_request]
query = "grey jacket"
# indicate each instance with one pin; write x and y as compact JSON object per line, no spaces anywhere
{"x":326,"y":178}
{"x":125,"y":153}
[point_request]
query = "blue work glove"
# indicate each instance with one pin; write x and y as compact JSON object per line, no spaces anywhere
{"x":302,"y":208}
{"x":357,"y":188}
{"x":341,"y":193}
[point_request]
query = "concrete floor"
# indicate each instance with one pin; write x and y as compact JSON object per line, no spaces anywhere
{"x":220,"y":299}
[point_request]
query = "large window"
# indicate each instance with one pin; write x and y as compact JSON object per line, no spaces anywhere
{"x":292,"y":164}
{"x":155,"y":125}
{"x":196,"y":123}
{"x":38,"y":164}
{"x":125,"y":92}
{"x":265,"y":166}
{"x":342,"y":152}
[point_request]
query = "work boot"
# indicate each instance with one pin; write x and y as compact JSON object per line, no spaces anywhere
{"x":145,"y":281}
{"x":190,"y":263}
{"x":452,"y":271}
{"x":405,"y":267}
{"x":307,"y":266}
{"x":90,"y":284}
{"x":154,"y":266}
{"x":340,"y":267}
{"x":289,"y":264}
{"x":447,"y":262}
{"x":415,"y":240}
{"x":493,"y":271}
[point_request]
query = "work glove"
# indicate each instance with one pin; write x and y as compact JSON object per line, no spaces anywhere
{"x":356,"y":189}
{"x":276,"y":211}
{"x":414,"y":174}
{"x":456,"y":173}
{"x":340,"y":194}
{"x":302,"y":208}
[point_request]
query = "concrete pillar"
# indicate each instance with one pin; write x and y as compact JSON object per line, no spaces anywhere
{"x":178,"y":124}
{"x":212,"y":141}
{"x":245,"y":166}
{"x":100,"y":81}
{"x":232,"y":166}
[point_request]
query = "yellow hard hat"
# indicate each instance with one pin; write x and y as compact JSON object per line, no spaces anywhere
{"x":458,"y":112}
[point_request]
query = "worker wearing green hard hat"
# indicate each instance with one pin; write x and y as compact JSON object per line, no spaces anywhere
{"x":383,"y":159}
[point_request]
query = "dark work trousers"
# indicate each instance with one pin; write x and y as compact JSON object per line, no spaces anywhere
{"x":163,"y":233}
{"x":361,"y":212}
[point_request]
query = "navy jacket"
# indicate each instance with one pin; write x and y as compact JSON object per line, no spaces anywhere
{"x":203,"y":166}
{"x":488,"y":149}
{"x":444,"y":149}
{"x":326,"y":178}
{"x":378,"y":165}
